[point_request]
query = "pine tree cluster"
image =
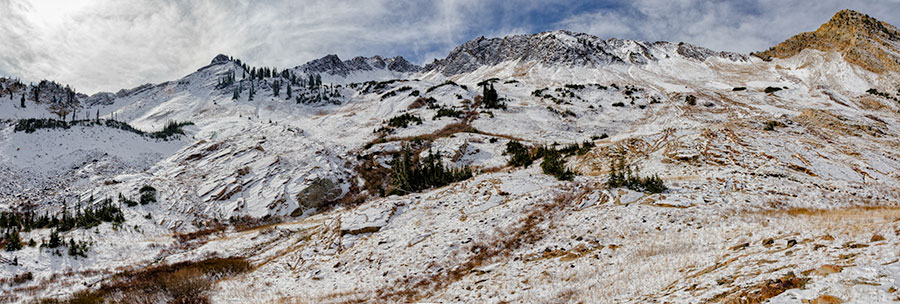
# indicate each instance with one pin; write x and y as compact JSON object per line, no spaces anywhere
{"x":520,"y":156}
{"x":13,"y":241}
{"x":491,"y":100}
{"x":444,"y":111}
{"x":622,"y":175}
{"x":64,"y":221}
{"x":257,"y":78}
{"x":400,"y":121}
{"x":79,"y":248}
{"x":555,"y":164}
{"x":554,"y":159}
{"x":410,"y":174}
{"x":147,"y":194}
{"x":29,"y":125}
{"x":85,"y":218}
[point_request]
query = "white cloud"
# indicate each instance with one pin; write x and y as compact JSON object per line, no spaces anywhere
{"x":107,"y":44}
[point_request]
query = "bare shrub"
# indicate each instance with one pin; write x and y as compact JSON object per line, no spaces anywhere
{"x":183,"y":282}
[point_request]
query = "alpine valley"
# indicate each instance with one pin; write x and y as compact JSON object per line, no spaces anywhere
{"x":556,"y":167}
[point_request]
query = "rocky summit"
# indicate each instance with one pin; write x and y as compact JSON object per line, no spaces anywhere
{"x":565,"y":48}
{"x":332,"y":65}
{"x":862,"y":40}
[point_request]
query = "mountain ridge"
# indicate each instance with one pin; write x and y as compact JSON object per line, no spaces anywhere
{"x":861,"y":39}
{"x":566,"y":47}
{"x":332,"y":64}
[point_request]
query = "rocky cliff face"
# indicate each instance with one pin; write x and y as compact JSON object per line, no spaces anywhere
{"x":332,"y":64}
{"x":567,"y":48}
{"x":862,"y":40}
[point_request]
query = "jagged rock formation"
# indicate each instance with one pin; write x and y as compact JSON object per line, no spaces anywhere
{"x":220,"y":58}
{"x":862,"y":40}
{"x":332,"y":64}
{"x":565,"y":47}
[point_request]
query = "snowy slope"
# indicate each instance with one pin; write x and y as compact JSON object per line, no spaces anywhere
{"x":776,"y":167}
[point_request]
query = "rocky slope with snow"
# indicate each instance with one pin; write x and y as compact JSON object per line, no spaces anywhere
{"x":332,"y":64}
{"x":782,"y":180}
{"x":565,"y":48}
{"x":861,"y":40}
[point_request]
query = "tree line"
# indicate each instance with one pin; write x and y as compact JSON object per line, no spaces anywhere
{"x":30,"y":125}
{"x":410,"y":173}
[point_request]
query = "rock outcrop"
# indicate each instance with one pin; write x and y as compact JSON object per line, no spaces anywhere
{"x":566,"y":48}
{"x":862,"y":40}
{"x":333,"y":65}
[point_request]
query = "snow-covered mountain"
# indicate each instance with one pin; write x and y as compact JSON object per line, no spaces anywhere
{"x":359,"y":69}
{"x":333,"y":65}
{"x":304,"y":185}
{"x":566,"y":48}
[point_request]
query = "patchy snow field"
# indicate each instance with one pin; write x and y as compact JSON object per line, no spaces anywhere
{"x":764,"y":187}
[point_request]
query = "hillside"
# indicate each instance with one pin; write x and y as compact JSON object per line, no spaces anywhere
{"x":550,"y":167}
{"x":860,"y":39}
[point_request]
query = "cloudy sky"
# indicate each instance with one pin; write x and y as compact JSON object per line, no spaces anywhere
{"x":106,"y":45}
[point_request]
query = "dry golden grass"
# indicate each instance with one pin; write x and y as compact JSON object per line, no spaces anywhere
{"x":854,"y":212}
{"x":764,"y":291}
{"x":185,"y":237}
{"x":184,"y":282}
{"x":854,"y":222}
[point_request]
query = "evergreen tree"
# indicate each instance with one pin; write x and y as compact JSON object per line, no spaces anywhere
{"x":622,"y":175}
{"x":54,"y":240}
{"x":276,"y":87}
{"x":555,"y":164}
{"x":288,"y":90}
{"x":491,"y":99}
{"x":412,"y":175}
{"x":252,"y":91}
{"x":23,"y":100}
{"x":519,"y":154}
{"x":148,"y":194}
{"x":14,"y":241}
{"x":77,"y":249}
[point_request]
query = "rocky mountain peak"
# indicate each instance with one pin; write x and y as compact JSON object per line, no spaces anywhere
{"x":220,"y":58}
{"x":564,"y":47}
{"x":861,"y":39}
{"x":332,"y":64}
{"x":850,"y":19}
